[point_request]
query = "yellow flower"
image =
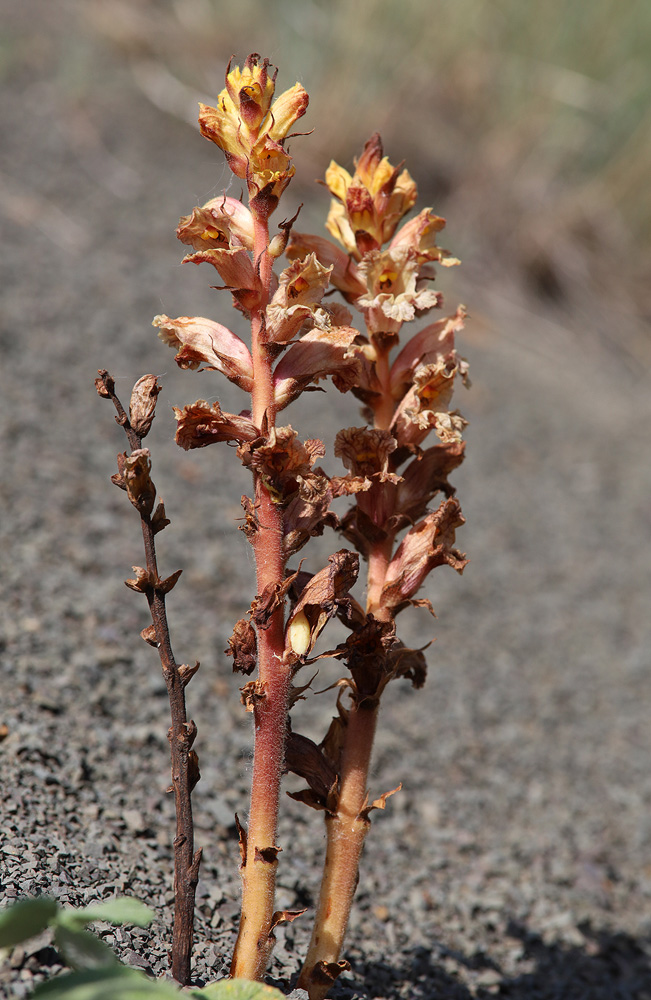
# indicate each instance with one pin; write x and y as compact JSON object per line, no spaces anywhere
{"x":369,"y":204}
{"x":251,"y":129}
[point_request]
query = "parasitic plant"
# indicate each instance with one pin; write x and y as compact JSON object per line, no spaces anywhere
{"x":391,"y":475}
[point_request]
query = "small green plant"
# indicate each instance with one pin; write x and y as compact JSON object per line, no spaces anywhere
{"x":299,"y":338}
{"x":96,"y":972}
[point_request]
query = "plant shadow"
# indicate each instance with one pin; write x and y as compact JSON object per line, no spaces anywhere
{"x":609,"y":966}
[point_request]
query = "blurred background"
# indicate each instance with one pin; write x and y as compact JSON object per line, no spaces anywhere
{"x":529,"y":125}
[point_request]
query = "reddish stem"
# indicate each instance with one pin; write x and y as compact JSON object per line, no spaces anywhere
{"x":346,"y":829}
{"x":255,"y":939}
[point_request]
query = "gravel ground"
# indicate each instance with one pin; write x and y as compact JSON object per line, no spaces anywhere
{"x":515,"y":862}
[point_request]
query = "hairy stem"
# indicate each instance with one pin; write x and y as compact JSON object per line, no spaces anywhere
{"x":345,"y":832}
{"x":271,"y":700}
{"x":346,"y":829}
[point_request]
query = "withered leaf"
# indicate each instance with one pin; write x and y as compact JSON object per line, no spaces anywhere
{"x":243,"y":647}
{"x":194,"y":774}
{"x":282,"y":460}
{"x":268,"y":855}
{"x":285,"y":917}
{"x":159,"y":519}
{"x":408,"y":663}
{"x":308,"y":513}
{"x":187,"y":672}
{"x":118,"y":480}
{"x":252,"y":693}
{"x":241,"y":834}
{"x":271,"y":598}
{"x":105,"y":384}
{"x":250,"y":525}
{"x":424,"y":477}
{"x":366,"y":653}
{"x":326,"y":973}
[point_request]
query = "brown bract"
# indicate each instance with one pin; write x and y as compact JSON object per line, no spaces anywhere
{"x":243,"y":647}
{"x":142,"y":406}
{"x":324,"y":595}
{"x":135,"y":470}
{"x":428,"y":544}
{"x":282,"y":460}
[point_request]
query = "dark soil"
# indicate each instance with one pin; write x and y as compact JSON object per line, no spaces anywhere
{"x":516,"y":860}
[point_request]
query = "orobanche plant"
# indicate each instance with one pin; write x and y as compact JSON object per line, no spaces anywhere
{"x":391,"y":474}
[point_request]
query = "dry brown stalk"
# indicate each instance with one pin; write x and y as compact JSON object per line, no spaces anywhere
{"x":134,"y":476}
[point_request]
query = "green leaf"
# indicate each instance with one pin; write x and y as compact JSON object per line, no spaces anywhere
{"x":123,"y":910}
{"x":26,"y":919}
{"x":118,"y":982}
{"x":237,"y":989}
{"x":81,"y":949}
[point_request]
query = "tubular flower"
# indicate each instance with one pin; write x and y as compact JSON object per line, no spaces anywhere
{"x":419,"y":234}
{"x":250,"y":129}
{"x":297,"y":299}
{"x":369,"y":204}
{"x":396,"y":290}
{"x":222,"y":223}
{"x":345,"y":276}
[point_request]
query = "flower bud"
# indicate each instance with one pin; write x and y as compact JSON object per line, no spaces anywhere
{"x":299,"y":634}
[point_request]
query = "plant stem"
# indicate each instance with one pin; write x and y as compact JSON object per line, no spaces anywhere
{"x":181,"y":737}
{"x":270,"y":705}
{"x":346,"y":829}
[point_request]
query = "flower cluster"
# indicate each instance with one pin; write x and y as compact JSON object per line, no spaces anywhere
{"x":384,"y":272}
{"x":252,"y":130}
